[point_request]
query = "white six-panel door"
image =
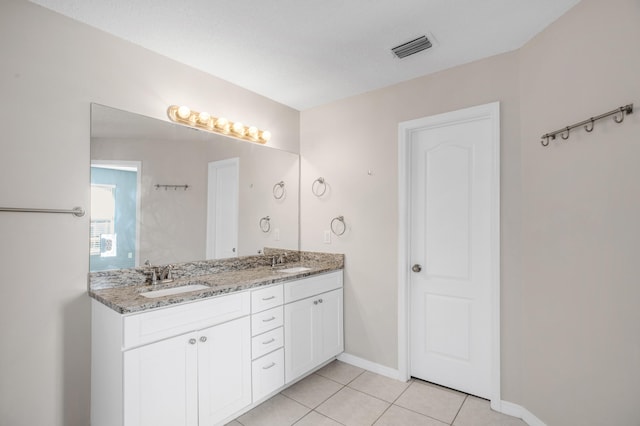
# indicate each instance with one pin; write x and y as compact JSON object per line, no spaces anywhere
{"x":451,"y":253}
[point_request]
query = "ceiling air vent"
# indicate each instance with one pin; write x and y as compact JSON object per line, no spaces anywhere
{"x":411,"y":47}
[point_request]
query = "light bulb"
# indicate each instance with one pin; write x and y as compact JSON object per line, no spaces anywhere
{"x":222,"y":123}
{"x":184,"y":112}
{"x":238,"y":128}
{"x":204,"y":117}
{"x":253,"y":132}
{"x":266,"y":135}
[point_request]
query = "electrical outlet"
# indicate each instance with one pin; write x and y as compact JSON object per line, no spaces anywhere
{"x":327,"y":237}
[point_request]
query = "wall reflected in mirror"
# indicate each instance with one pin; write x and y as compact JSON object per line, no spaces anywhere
{"x":167,"y":193}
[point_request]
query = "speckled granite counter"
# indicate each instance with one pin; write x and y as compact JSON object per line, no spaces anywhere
{"x":121,"y":290}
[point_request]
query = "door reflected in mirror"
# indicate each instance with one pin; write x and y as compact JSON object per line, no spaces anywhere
{"x":168,"y":193}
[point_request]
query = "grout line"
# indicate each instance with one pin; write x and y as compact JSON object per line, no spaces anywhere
{"x":460,"y":409}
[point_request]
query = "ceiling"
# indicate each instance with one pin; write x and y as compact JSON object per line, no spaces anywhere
{"x":305,"y":53}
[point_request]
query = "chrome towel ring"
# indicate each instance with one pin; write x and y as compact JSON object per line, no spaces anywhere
{"x":334,"y":224}
{"x":265,"y":224}
{"x":319,"y":189}
{"x":278,"y":190}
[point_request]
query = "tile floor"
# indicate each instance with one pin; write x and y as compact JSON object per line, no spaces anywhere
{"x":341,"y":394}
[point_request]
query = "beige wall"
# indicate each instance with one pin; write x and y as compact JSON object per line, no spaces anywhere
{"x":581,"y":219}
{"x":51,"y":69}
{"x":570,"y":229}
{"x":344,"y":140}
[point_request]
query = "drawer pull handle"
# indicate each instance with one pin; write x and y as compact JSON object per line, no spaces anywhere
{"x":269,"y":341}
{"x":192,"y":341}
{"x":268,"y":319}
{"x":268,"y":298}
{"x":266,"y":367}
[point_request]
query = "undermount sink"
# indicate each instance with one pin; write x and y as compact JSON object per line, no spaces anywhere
{"x":294,"y":270}
{"x":174,"y":290}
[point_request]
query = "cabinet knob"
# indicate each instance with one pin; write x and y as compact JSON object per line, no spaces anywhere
{"x":319,"y":300}
{"x":416,"y":268}
{"x":315,"y":302}
{"x":192,"y":341}
{"x":203,"y":339}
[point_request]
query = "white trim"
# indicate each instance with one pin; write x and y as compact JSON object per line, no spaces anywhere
{"x":380,"y":369}
{"x":405,"y":129}
{"x":515,"y":410}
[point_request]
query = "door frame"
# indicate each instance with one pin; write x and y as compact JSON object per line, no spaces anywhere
{"x":405,"y":129}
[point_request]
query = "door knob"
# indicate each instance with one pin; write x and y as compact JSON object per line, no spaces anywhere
{"x":416,"y":268}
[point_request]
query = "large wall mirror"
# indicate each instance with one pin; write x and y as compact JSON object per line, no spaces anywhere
{"x":168,"y":193}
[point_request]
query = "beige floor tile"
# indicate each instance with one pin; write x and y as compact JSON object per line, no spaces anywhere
{"x":396,"y":416}
{"x":277,"y":411}
{"x":353,"y":408}
{"x":477,"y":412}
{"x":340,"y":372}
{"x":316,"y":419}
{"x":379,"y":386}
{"x":433,"y":401}
{"x":312,"y":390}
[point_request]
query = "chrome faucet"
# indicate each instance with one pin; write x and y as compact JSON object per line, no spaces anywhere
{"x":165,"y":275}
{"x":278,"y":260}
{"x":160,"y":274}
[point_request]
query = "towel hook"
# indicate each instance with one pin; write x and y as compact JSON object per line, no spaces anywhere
{"x":278,"y":190}
{"x":319,"y":189}
{"x":563,"y":134}
{"x":338,"y":219}
{"x":615,"y":117}
{"x":590,"y":129}
{"x":265,"y":224}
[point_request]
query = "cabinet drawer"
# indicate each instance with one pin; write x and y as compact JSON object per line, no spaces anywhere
{"x":267,"y":374}
{"x":266,"y":298}
{"x":147,"y":327}
{"x":266,"y":320}
{"x":267,"y":342}
{"x":307,"y":287}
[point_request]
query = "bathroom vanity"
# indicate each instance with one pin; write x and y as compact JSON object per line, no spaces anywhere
{"x":206,"y":356}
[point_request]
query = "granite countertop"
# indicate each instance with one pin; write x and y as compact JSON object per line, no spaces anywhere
{"x":126,"y":299}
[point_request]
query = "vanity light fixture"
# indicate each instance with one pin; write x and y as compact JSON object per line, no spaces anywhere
{"x":204,"y":120}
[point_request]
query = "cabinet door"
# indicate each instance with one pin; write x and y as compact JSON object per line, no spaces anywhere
{"x":299,"y":338}
{"x":224,"y":361}
{"x":160,"y":383}
{"x":329,"y":323}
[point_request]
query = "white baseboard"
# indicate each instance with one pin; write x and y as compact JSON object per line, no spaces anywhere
{"x":370,"y":366}
{"x":519,"y":411}
{"x":504,"y":407}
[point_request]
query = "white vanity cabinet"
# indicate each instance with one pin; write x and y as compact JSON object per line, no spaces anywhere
{"x":184,"y":365}
{"x":313,"y":322}
{"x":204,"y":362}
